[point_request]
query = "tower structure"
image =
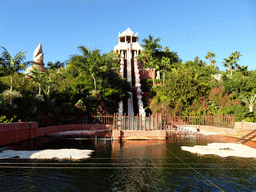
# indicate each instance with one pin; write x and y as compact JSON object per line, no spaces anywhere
{"x":129,"y":48}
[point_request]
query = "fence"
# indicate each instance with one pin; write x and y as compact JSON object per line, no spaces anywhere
{"x":227,"y":121}
{"x":55,"y":119}
{"x":127,"y":122}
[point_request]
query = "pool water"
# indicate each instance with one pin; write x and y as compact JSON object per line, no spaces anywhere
{"x":128,"y":166}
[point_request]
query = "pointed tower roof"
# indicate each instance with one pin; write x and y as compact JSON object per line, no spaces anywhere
{"x":128,"y":32}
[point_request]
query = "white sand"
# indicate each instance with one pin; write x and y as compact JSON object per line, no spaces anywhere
{"x":223,"y":150}
{"x":48,"y":154}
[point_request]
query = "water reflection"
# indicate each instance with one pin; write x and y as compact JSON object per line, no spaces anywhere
{"x":131,"y":166}
{"x":137,"y":158}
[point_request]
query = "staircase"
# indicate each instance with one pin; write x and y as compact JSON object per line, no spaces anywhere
{"x":141,"y":110}
{"x":247,"y":137}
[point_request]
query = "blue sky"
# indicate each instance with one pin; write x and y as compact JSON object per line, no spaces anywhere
{"x":189,"y":27}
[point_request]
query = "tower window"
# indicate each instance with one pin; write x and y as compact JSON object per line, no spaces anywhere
{"x":128,"y":39}
{"x":122,"y":39}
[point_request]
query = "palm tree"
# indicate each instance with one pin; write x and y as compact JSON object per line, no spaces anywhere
{"x":249,"y":101}
{"x":152,"y":44}
{"x":213,"y":62}
{"x":232,"y":61}
{"x":2,"y":69}
{"x":236,"y":56}
{"x":165,"y":64}
{"x":55,"y":65}
{"x":90,"y":63}
{"x":153,"y":63}
{"x":13,"y":64}
{"x":229,"y":63}
{"x":243,"y":70}
{"x":210,"y":55}
{"x":37,"y":77}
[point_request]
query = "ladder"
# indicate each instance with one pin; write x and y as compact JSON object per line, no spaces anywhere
{"x":247,"y":137}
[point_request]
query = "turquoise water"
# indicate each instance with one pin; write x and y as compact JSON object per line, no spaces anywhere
{"x":128,"y":166}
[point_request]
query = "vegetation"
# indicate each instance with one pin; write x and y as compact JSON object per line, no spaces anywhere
{"x":88,"y":84}
{"x":191,"y":89}
{"x":4,"y":120}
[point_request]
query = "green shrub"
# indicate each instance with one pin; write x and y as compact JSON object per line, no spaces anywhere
{"x":249,"y":119}
{"x":4,"y":120}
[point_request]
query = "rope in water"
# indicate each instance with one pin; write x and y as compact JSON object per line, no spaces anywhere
{"x":150,"y":175}
{"x":194,"y":169}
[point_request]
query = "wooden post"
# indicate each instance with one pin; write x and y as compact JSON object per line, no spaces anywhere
{"x":161,"y":121}
{"x":149,"y":121}
{"x":129,"y":122}
{"x":133,"y":121}
{"x":145,"y":126}
{"x":125,"y":121}
{"x":157,"y":121}
{"x":137,"y":126}
{"x":153,"y":122}
{"x":114,"y":122}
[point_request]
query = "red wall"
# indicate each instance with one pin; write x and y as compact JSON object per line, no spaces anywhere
{"x":147,"y":74}
{"x":14,"y":132}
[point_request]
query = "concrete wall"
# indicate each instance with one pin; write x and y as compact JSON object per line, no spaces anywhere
{"x":126,"y":134}
{"x":15,"y":132}
{"x":240,"y":129}
{"x":61,"y":128}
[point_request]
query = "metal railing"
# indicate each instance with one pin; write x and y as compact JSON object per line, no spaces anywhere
{"x":127,"y":122}
{"x":55,"y":119}
{"x":143,"y":123}
{"x":225,"y":121}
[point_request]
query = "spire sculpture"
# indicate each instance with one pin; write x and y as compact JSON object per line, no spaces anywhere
{"x":38,"y":58}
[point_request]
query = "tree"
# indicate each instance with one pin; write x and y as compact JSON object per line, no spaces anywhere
{"x":231,"y":62}
{"x":153,"y":63}
{"x":92,"y":62}
{"x":152,"y":44}
{"x":236,"y":55}
{"x":55,"y":65}
{"x":145,"y":56}
{"x":249,"y":101}
{"x":210,"y":55}
{"x":213,"y":62}
{"x":37,"y":77}
{"x":114,"y":58}
{"x":13,"y":64}
{"x":165,"y":64}
{"x":243,"y":70}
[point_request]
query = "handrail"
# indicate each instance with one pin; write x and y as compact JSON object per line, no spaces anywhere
{"x":246,"y":140}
